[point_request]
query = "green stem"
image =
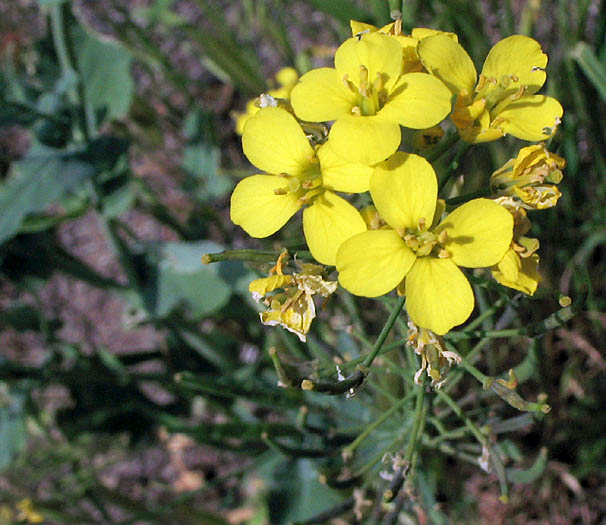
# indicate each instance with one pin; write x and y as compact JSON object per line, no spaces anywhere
{"x":260,"y":256}
{"x":435,"y":153}
{"x":385,"y":332}
{"x":485,"y":192}
{"x":418,"y":422}
{"x":454,"y":165}
{"x":486,"y":334}
{"x":379,"y":421}
{"x":496,"y":460}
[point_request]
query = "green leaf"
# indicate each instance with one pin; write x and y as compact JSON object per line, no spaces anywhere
{"x":594,"y":70}
{"x":21,"y":317}
{"x":182,"y":280}
{"x":105,"y":74}
{"x":296,"y":493}
{"x":202,"y":157}
{"x":38,"y":181}
{"x":12,"y":424}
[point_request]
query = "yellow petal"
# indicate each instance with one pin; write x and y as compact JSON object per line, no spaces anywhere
{"x":518,"y":273}
{"x":257,"y":209}
{"x":404,"y":189}
{"x":296,"y":318}
{"x":479,"y":233}
{"x":274,"y":142}
{"x":532,"y":118}
{"x":424,"y":32}
{"x":447,"y":60}
{"x":321,"y":95}
{"x":417,"y":101}
{"x":259,"y":288}
{"x":377,"y":52}
{"x":521,"y":57}
{"x":361,"y":27}
{"x":327,"y":223}
{"x":366,"y":140}
{"x":340,"y":174}
{"x":438,"y":295}
{"x":287,"y":77}
{"x":373,"y":263}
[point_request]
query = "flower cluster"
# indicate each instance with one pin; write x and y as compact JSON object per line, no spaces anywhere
{"x":336,"y":136}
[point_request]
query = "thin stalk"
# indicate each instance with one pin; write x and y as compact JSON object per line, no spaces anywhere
{"x":453,"y":166}
{"x":378,"y":422}
{"x":435,"y":153}
{"x":260,"y":256}
{"x":485,"y":192}
{"x":385,"y":332}
{"x":419,"y":421}
{"x":481,"y":438}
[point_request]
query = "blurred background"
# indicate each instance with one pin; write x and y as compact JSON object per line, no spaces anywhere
{"x":118,"y":153}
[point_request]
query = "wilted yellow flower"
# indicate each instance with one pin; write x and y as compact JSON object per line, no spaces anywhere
{"x":435,"y":359}
{"x":286,"y":78}
{"x":519,"y":268}
{"x":369,"y":98}
{"x":293,"y":308}
{"x":417,"y":246}
{"x":530,"y":178}
{"x":503,"y":99}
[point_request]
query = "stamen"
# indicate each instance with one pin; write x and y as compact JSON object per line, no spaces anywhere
{"x":349,"y":84}
{"x":363,"y":86}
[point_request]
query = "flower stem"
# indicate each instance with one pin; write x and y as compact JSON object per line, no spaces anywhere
{"x":454,"y":165}
{"x":485,"y":192}
{"x":420,"y":414}
{"x":495,"y":459}
{"x":441,"y":148}
{"x":258,"y":256}
{"x":385,"y":332}
{"x":368,"y":430}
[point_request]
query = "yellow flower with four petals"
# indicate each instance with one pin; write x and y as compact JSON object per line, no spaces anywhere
{"x":296,"y":176}
{"x":369,"y":98}
{"x":503,"y":100}
{"x":419,"y":248}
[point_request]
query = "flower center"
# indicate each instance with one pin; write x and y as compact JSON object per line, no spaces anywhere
{"x":497,"y":92}
{"x":306,"y":186}
{"x":424,"y":242}
{"x":370,"y":97}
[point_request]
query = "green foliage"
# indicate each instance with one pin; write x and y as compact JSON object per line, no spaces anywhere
{"x":104,"y":70}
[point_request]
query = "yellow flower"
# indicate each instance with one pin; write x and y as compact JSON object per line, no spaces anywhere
{"x":438,"y":296}
{"x":296,"y":176}
{"x":368,"y":97}
{"x":294,"y":308}
{"x":286,"y":78}
{"x":410,"y":60}
{"x":519,"y":268}
{"x":503,"y":100}
{"x":527,"y":178}
{"x":26,"y":512}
